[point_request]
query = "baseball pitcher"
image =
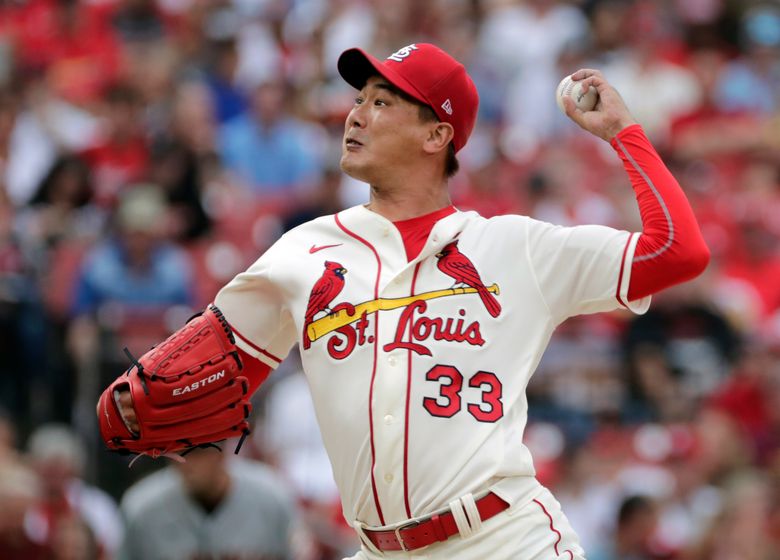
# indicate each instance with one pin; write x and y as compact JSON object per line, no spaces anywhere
{"x":419,"y":325}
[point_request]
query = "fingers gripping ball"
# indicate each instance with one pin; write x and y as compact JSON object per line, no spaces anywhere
{"x":585,"y":101}
{"x":186,"y":392}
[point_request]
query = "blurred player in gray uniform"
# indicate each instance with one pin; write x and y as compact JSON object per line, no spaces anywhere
{"x":208,"y":508}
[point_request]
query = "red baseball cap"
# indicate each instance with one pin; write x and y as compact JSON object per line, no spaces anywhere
{"x":426,"y":73}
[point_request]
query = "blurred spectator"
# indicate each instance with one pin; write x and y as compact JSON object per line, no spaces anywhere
{"x":18,"y":318}
{"x":192,"y":119}
{"x":688,"y":500}
{"x":60,"y":210}
{"x":127,"y":284}
{"x":749,"y":397}
{"x":37,"y":126}
{"x":138,"y":21}
{"x":323,"y":200}
{"x":273,"y":153}
{"x":704,"y":129}
{"x":751,"y":82}
{"x":178,"y":171}
{"x":491,"y":190}
{"x":637,"y":520}
{"x":753,"y":263}
{"x":229,"y":100}
{"x":138,"y":268}
{"x":70,"y":42}
{"x":8,"y":453}
{"x":19,"y":491}
{"x":347,"y":23}
{"x":260,"y":50}
{"x":521,"y":42}
{"x":742,"y":529}
{"x":721,"y":450}
{"x":119,"y":154}
{"x":182,"y":151}
{"x":208,"y":507}
{"x":73,"y":540}
{"x":566,"y":189}
{"x":676,"y":354}
{"x":58,"y":457}
{"x":637,"y":63}
{"x":589,"y":496}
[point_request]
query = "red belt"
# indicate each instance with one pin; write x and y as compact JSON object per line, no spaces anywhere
{"x":436,"y":528}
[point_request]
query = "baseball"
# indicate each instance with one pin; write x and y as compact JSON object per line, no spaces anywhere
{"x":585,"y":101}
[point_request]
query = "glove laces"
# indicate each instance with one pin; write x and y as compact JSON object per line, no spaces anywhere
{"x":179,"y":457}
{"x":157,"y":453}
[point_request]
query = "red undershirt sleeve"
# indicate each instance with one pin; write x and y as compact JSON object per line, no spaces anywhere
{"x":254,"y":370}
{"x":671,"y":248}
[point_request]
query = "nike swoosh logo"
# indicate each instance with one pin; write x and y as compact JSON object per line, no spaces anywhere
{"x":314,"y":248}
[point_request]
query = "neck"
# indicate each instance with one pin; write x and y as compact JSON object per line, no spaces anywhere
{"x":408,"y":198}
{"x":210,"y":498}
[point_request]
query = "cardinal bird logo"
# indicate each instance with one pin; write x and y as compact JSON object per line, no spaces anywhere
{"x":323,"y":293}
{"x":458,"y":266}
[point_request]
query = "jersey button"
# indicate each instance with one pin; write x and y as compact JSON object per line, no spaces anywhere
{"x":391,"y":360}
{"x":388,"y":478}
{"x":389,"y":419}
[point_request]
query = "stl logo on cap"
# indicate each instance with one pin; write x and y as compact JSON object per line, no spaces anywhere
{"x":402,"y":53}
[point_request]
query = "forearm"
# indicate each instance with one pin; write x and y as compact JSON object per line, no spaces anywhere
{"x":671,"y":248}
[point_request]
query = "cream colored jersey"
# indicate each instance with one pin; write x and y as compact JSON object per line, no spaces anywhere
{"x":418,"y":369}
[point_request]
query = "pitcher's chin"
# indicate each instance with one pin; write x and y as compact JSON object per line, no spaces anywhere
{"x":351,"y":167}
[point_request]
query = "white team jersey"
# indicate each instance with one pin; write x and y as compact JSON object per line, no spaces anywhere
{"x":418,"y":369}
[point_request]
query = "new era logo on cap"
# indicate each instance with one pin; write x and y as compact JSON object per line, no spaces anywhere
{"x":426,"y":73}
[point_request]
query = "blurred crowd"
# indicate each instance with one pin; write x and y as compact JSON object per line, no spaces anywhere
{"x":151,"y":149}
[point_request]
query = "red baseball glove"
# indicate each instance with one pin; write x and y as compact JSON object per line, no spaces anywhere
{"x":187,"y":392}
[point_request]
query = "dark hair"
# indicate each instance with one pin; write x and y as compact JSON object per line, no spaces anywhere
{"x":65,"y":164}
{"x":632,"y":507}
{"x":120,"y":93}
{"x":427,"y":114}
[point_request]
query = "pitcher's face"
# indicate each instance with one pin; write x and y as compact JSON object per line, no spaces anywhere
{"x":383,"y":133}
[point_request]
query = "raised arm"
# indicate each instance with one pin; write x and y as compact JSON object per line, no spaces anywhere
{"x":670,"y":249}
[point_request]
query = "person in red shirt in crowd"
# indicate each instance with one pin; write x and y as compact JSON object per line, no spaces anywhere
{"x":121,"y":155}
{"x":751,"y":397}
{"x":69,"y":41}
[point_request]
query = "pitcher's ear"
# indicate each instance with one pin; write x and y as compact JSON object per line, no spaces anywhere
{"x":439,"y":137}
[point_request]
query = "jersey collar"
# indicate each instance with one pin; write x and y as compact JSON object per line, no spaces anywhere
{"x":380,"y":232}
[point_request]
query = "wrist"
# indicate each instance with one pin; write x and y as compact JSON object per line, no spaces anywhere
{"x":619,"y":127}
{"x":623,"y":129}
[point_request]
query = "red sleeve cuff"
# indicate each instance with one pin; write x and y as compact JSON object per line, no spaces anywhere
{"x":630,"y":130}
{"x":254,"y":370}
